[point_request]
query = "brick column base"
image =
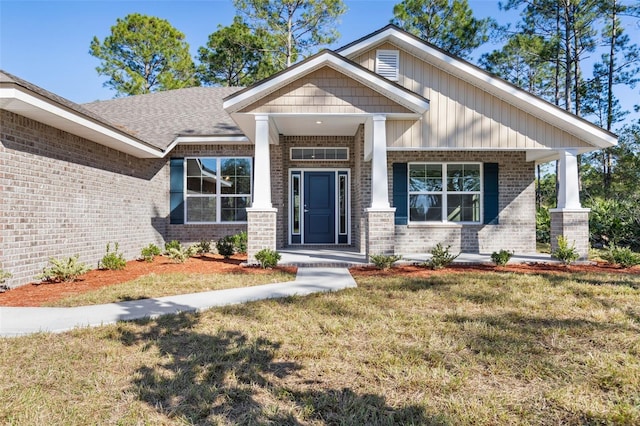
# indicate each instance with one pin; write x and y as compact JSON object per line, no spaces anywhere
{"x":573,"y":224}
{"x":380,"y":231}
{"x":261,"y":231}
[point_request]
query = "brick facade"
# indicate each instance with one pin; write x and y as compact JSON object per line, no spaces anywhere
{"x":380,"y":231}
{"x":261,"y":228}
{"x":64,"y":195}
{"x":574,"y":225}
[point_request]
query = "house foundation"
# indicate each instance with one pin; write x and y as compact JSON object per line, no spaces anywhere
{"x":573,"y":224}
{"x":380,"y":231}
{"x":261,"y":229}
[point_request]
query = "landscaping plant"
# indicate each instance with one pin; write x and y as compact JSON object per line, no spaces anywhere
{"x":149,"y":252}
{"x":180,"y":254}
{"x":63,"y":270}
{"x":565,"y":253}
{"x":240,"y":242}
{"x":384,"y":261}
{"x":203,"y":247}
{"x":4,"y":276}
{"x":268,"y":258}
{"x":502,"y":257}
{"x":226,"y":246}
{"x":440,"y":257}
{"x":622,"y":256}
{"x":112,"y":260}
{"x":172,"y":244}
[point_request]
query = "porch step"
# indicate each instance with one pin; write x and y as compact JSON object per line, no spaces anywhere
{"x":321,"y":257}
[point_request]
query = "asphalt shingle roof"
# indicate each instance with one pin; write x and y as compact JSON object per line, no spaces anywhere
{"x":158,"y":118}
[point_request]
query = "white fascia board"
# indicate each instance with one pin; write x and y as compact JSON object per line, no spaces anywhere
{"x":413,"y":102}
{"x":23,"y":103}
{"x":207,"y":140}
{"x":519,"y":98}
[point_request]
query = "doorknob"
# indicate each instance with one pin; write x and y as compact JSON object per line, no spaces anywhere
{"x":306,"y":210}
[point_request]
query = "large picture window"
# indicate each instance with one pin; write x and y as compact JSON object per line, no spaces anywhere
{"x":449,"y":192}
{"x":218,"y":189}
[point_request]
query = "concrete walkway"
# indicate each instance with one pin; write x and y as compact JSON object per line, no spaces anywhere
{"x":22,"y":321}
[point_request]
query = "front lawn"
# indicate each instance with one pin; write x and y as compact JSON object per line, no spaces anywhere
{"x":459,"y":348}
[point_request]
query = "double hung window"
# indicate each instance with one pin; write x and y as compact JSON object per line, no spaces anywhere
{"x":449,"y":192}
{"x":218,"y":189}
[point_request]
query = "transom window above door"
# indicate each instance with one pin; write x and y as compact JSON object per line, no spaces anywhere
{"x":320,"y":154}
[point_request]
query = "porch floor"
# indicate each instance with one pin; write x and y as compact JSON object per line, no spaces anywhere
{"x":349,"y":257}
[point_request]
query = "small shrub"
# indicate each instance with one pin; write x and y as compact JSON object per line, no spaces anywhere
{"x":268,"y":258}
{"x":203,"y":247}
{"x":384,"y":261}
{"x":65,"y":270}
{"x":112,"y":259}
{"x":149,"y":252}
{"x":226,"y":246}
{"x":172,"y":244}
{"x":181,"y":254}
{"x":565,"y":253}
{"x":622,"y":256}
{"x":502,"y":257}
{"x":240,"y":242}
{"x":4,"y":276}
{"x":440,"y":257}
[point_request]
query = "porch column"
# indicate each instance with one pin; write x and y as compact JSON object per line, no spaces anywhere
{"x":569,"y":219}
{"x":380,"y":229}
{"x":261,"y":216}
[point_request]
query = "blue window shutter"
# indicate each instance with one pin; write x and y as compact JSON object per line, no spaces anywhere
{"x":176,"y":177}
{"x":491,"y":208}
{"x":400,"y":193}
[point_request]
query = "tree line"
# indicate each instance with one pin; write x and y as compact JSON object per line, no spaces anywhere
{"x":549,"y":52}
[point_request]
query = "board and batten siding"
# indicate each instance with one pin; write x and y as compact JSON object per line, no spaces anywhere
{"x":325,"y":91}
{"x":462,"y":116}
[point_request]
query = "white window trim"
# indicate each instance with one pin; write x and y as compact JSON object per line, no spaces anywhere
{"x":218,"y":195}
{"x":318,"y":147}
{"x":395,"y":53}
{"x":444,"y":194}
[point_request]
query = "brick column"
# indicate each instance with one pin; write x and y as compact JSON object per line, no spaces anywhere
{"x":380,"y":232}
{"x":261,"y":231}
{"x":574,"y":225}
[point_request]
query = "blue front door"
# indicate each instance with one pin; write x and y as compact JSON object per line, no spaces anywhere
{"x":319,"y":207}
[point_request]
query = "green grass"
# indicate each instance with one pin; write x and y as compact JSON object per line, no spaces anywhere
{"x":494,"y":348}
{"x":158,"y":285}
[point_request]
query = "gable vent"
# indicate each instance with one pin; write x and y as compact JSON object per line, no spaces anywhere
{"x":387,"y":64}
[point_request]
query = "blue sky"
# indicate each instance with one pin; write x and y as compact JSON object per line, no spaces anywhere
{"x":47,"y":42}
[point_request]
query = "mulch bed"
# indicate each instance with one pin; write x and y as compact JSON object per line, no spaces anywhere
{"x":35,"y":294}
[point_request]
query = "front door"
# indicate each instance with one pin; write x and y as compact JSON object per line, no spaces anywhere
{"x":319,"y":207}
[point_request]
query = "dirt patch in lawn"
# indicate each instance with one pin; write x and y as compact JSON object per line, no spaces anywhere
{"x":36,"y":294}
{"x":524,"y":268}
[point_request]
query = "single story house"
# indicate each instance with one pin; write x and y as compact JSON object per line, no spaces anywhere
{"x":386,"y":145}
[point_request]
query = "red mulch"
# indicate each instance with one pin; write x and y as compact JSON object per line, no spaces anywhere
{"x":524,"y":268}
{"x":36,"y":294}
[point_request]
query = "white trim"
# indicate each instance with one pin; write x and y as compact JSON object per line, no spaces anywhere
{"x":498,"y":87}
{"x":444,"y":192}
{"x":391,"y":70}
{"x":302,"y":171}
{"x":23,"y":103}
{"x":411,"y":101}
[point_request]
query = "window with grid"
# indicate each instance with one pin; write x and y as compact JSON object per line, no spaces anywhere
{"x":218,"y":189}
{"x":449,"y":192}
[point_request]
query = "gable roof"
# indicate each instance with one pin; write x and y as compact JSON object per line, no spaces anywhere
{"x":164,"y":118}
{"x":480,"y":78}
{"x":393,"y":91}
{"x":27,"y":99}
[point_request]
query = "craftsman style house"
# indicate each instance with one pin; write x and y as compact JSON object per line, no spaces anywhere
{"x":385,"y":145}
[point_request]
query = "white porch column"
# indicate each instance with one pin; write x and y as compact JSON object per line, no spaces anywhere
{"x":262,"y":167}
{"x":569,"y":219}
{"x":568,"y":189}
{"x":379,"y":176}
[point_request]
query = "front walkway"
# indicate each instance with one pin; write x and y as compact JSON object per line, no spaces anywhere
{"x":22,"y":321}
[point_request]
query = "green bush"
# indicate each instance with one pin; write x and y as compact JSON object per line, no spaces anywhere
{"x":440,"y":257}
{"x":268,"y":258}
{"x":226,"y":246}
{"x":384,"y":261}
{"x":622,"y":256}
{"x":174,"y":244}
{"x":502,"y":257}
{"x":112,"y":259}
{"x":565,"y":253}
{"x":543,"y":225}
{"x":614,"y":222}
{"x":240,"y":242}
{"x":4,"y":276}
{"x":180,"y":254}
{"x":203,"y":247}
{"x":65,"y":270}
{"x":149,"y":252}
